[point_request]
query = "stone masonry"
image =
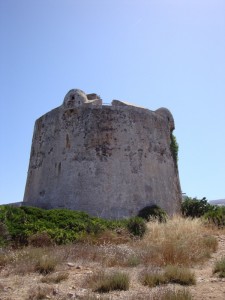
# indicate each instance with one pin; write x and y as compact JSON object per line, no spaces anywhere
{"x":107,"y":160}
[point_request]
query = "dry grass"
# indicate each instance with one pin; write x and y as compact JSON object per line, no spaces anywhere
{"x":171,"y":274}
{"x":172,"y":294}
{"x":104,"y":283}
{"x":46,"y":264}
{"x":95,"y":297}
{"x":179,"y":241}
{"x":39,"y":292}
{"x":180,"y":275}
{"x":4,"y":259}
{"x":152,"y":279}
{"x":220,"y":267}
{"x":55,"y":278}
{"x":29,"y":259}
{"x":115,"y":237}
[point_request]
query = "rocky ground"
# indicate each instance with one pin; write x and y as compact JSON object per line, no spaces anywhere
{"x":31,"y":286}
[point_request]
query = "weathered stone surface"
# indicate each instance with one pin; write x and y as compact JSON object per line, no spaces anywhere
{"x":110,"y":161}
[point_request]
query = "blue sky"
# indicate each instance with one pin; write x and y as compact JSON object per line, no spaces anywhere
{"x":154,"y":53}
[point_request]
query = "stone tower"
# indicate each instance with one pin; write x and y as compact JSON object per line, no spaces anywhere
{"x":108,"y":160}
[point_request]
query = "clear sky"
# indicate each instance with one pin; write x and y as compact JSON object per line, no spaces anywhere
{"x":154,"y":53}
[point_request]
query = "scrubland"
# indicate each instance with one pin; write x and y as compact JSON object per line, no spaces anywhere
{"x":180,"y":258}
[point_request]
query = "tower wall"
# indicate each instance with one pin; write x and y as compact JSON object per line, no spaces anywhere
{"x":110,"y":161}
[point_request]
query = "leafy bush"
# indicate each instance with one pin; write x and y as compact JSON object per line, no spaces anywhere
{"x":136,"y":226}
{"x":220,"y":267}
{"x":216,"y":216}
{"x":34,"y":225}
{"x":153,"y":212}
{"x":4,"y":235}
{"x":195,"y":208}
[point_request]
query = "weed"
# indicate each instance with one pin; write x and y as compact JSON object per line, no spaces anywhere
{"x":220,"y":267}
{"x":55,"y":278}
{"x":180,"y":275}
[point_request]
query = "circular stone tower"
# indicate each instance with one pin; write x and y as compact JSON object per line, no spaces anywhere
{"x":110,"y":161}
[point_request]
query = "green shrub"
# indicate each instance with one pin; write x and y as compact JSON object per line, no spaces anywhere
{"x":136,"y":226}
{"x":153,"y":212}
{"x":32,"y":225}
{"x":220,"y":267}
{"x":4,"y":235}
{"x":116,"y":281}
{"x":174,"y":148}
{"x":216,"y":216}
{"x":195,"y":208}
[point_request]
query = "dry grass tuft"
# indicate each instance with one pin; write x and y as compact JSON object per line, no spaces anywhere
{"x":179,"y":241}
{"x":40,"y":292}
{"x":180,"y":275}
{"x":29,"y":259}
{"x":172,"y":294}
{"x":171,"y":274}
{"x":104,"y":283}
{"x":40,"y":239}
{"x":106,"y":237}
{"x":95,"y":297}
{"x":220,"y":267}
{"x":55,"y":278}
{"x":4,"y":259}
{"x":46,"y":264}
{"x":152,"y":279}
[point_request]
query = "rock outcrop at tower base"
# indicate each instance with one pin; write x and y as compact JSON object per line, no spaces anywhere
{"x":110,"y":161}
